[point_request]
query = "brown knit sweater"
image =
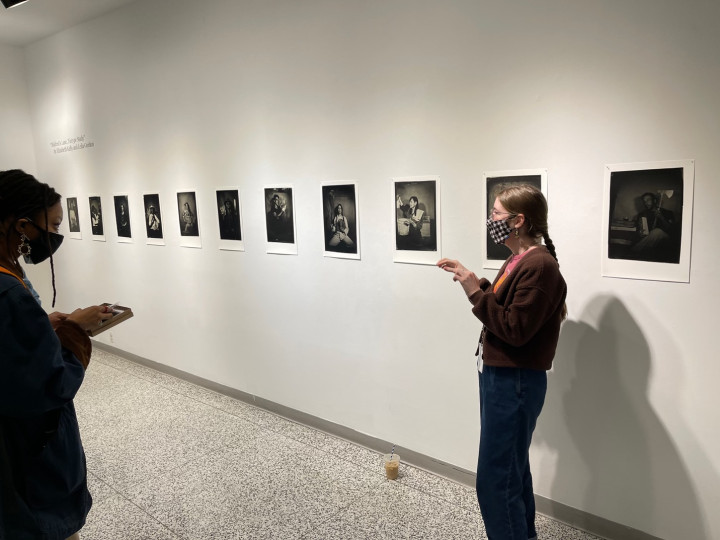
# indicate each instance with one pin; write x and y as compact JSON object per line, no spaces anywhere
{"x":522,"y":319}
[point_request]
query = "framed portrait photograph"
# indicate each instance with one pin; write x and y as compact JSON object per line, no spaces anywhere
{"x":647,"y":220}
{"x":495,"y":182}
{"x":73,"y":218}
{"x":229,"y":214}
{"x":341,"y":224}
{"x":416,"y":219}
{"x":96,"y":218}
{"x":153,"y":219}
{"x":187,"y":208}
{"x":280,"y":220}
{"x":122,"y":217}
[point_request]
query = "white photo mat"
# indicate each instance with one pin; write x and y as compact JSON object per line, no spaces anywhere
{"x":287,"y":196}
{"x":155,"y":198}
{"x":628,"y":187}
{"x":190,"y":223}
{"x":73,"y":217}
{"x":98,"y":206}
{"x":116,"y":218}
{"x":342,"y":193}
{"x":227,"y":244}
{"x":428,"y":239}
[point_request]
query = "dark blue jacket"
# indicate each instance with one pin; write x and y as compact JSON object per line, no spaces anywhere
{"x":43,"y":478}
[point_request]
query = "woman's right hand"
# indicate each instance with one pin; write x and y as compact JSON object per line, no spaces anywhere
{"x":450,"y":265}
{"x":90,"y":317}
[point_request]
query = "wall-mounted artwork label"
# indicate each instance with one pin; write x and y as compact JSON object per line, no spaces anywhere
{"x":153,"y":219}
{"x":122,"y":218}
{"x":417,"y":219}
{"x":340,"y":220}
{"x":280,"y":220}
{"x":96,"y":218}
{"x":495,"y":182}
{"x":648,"y":220}
{"x":70,"y":144}
{"x":73,"y":218}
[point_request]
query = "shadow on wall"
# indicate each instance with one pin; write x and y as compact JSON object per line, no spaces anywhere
{"x":614,"y":457}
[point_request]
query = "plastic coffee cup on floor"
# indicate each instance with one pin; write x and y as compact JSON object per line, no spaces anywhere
{"x":392,"y":465}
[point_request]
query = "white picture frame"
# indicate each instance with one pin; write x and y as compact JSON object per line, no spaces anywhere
{"x":188,"y":214}
{"x":341,"y":219}
{"x":230,"y":223}
{"x":647,"y":220}
{"x":417,"y":232}
{"x":280,"y":231}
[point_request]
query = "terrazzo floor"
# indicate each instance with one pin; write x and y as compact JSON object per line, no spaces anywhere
{"x":171,"y":460}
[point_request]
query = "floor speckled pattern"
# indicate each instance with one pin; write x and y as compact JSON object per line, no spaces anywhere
{"x":171,"y":460}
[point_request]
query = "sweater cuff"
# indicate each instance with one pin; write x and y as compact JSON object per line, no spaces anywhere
{"x":76,"y":340}
{"x":475,"y":296}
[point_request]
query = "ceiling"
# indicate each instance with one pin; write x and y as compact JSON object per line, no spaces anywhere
{"x":37,"y":19}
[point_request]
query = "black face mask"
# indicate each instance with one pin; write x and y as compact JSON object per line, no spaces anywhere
{"x":42,"y":247}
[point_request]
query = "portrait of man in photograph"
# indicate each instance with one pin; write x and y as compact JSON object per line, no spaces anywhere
{"x":415,"y":212}
{"x":228,"y":206}
{"x":122,"y":216}
{"x":96,"y":220}
{"x":153,"y":220}
{"x":278,"y":215}
{"x":646,"y":208}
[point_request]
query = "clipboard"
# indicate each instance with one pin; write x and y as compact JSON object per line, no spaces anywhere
{"x":120,"y":314}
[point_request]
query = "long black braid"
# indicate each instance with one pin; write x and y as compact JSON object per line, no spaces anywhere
{"x":23,"y":196}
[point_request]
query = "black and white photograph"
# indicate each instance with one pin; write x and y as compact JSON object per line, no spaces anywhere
{"x":417,"y":219}
{"x":122,"y":217}
{"x":96,"y":218}
{"x":495,"y":182}
{"x":340,"y":220}
{"x":73,"y":218}
{"x":187,"y":208}
{"x":230,"y":219}
{"x":153,"y":219}
{"x":187,"y":213}
{"x":280,"y":220}
{"x":647,"y":220}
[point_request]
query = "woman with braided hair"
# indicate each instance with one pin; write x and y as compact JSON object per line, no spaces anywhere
{"x":43,"y":479}
{"x":521,"y":312}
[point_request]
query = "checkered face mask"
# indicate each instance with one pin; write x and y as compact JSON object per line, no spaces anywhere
{"x":499,"y":230}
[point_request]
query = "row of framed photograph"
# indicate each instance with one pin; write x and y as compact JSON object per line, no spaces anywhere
{"x":647,"y":209}
{"x":416,"y":219}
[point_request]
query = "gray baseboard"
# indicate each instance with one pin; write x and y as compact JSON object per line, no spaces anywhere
{"x":579,"y":519}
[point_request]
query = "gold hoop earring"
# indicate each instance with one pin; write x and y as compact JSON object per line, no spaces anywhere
{"x":24,"y":248}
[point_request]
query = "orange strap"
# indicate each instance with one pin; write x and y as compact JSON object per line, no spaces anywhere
{"x":9,"y":273}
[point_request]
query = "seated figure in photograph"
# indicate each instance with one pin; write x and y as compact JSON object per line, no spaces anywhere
{"x":657,"y":232}
{"x":339,"y":228}
{"x":412,"y":218}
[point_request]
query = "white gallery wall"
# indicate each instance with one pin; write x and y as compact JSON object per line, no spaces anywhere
{"x":16,"y":143}
{"x":179,"y":95}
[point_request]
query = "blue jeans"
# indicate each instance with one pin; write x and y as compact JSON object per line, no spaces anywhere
{"x":510,"y":402}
